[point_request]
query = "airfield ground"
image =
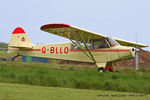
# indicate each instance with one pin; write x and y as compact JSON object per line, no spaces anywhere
{"x":81,"y":77}
{"x":27,"y":92}
{"x":44,"y":79}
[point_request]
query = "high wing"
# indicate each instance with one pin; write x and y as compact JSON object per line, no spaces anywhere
{"x":129,"y":43}
{"x":72,"y":32}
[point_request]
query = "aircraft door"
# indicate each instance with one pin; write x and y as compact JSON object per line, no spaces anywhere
{"x":113,"y":54}
{"x":100,"y":50}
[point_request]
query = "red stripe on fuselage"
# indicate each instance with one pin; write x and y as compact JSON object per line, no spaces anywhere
{"x":30,"y":50}
{"x":102,"y":50}
{"x":78,"y":50}
{"x":26,"y":49}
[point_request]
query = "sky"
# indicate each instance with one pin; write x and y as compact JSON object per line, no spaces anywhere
{"x":116,"y":18}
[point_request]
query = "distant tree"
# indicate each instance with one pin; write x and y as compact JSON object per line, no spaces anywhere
{"x":3,"y":45}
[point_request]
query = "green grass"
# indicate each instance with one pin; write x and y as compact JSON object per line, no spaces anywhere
{"x":70,"y":76}
{"x":28,"y":92}
{"x":4,"y":53}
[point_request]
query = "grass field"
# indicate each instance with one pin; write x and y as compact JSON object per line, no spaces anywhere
{"x":4,"y":53}
{"x":28,"y":92}
{"x":70,"y":76}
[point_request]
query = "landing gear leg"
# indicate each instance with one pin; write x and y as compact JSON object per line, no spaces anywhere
{"x":110,"y":67}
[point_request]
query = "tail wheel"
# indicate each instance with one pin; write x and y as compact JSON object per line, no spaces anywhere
{"x":101,"y":69}
{"x":13,"y":58}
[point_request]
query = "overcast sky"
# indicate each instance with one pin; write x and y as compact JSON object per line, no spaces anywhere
{"x":117,"y":18}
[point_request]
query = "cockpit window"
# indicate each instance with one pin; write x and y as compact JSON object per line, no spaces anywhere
{"x":80,"y":45}
{"x":112,"y":42}
{"x":96,"y":44}
{"x":93,"y":44}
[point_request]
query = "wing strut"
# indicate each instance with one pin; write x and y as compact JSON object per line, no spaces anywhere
{"x":90,"y":56}
{"x":87,"y":47}
{"x":81,"y":49}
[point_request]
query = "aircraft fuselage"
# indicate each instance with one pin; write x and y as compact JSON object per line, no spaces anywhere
{"x":64,"y":51}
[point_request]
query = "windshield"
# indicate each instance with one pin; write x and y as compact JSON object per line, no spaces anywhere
{"x":96,"y":44}
{"x":112,"y":42}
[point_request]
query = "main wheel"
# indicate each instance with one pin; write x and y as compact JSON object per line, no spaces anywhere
{"x":117,"y":71}
{"x":101,"y":69}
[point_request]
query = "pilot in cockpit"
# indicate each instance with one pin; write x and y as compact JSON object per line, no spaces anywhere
{"x":103,"y":44}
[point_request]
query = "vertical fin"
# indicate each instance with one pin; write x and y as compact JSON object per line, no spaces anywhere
{"x":19,"y":39}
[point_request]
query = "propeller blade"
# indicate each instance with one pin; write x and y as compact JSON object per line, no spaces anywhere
{"x":136,"y":55}
{"x":136,"y":59}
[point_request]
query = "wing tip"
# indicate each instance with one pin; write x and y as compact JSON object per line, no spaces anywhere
{"x":54,"y":25}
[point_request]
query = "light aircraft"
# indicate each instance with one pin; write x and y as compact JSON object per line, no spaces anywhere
{"x":84,"y":46}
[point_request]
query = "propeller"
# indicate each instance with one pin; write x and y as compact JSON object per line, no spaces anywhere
{"x":136,"y":55}
{"x":137,"y":59}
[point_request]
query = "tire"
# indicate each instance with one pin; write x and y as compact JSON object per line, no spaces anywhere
{"x":117,"y":71}
{"x":101,"y":69}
